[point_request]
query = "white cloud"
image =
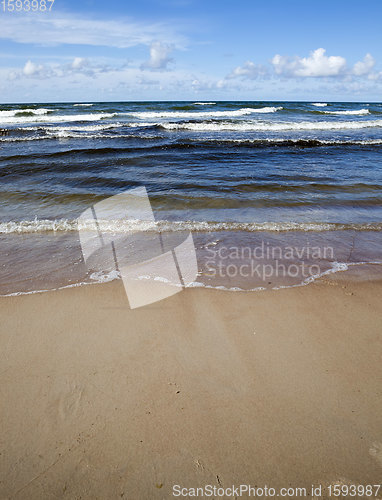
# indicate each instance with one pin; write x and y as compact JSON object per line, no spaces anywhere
{"x":249,"y":70}
{"x":159,"y":56}
{"x":375,"y":76}
{"x":32,"y":69}
{"x":121,"y":80}
{"x":66,"y":29}
{"x":364,"y":67}
{"x":78,"y":78}
{"x":316,"y":65}
{"x":79,"y":65}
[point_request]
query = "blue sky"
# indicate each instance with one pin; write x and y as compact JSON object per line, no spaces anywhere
{"x":192,"y":49}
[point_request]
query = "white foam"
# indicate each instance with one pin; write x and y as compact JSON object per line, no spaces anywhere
{"x":67,"y":134}
{"x":37,"y":225}
{"x":349,"y":112}
{"x":55,"y":118}
{"x":204,"y":103}
{"x":128,"y":226}
{"x":75,"y":131}
{"x":275,"y":140}
{"x":105,"y":277}
{"x":91,"y":134}
{"x":82,"y":104}
{"x":335,"y":268}
{"x":267,"y":109}
{"x":319,"y":104}
{"x":63,"y":134}
{"x":80,"y":128}
{"x":203,"y":114}
{"x":32,"y":292}
{"x":267,"y":126}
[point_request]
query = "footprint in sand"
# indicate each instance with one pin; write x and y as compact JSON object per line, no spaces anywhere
{"x":70,"y":400}
{"x":376,"y":452}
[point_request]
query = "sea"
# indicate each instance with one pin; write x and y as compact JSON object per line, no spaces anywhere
{"x":274,"y":194}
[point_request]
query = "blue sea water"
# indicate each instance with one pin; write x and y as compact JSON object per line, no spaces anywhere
{"x":235,"y":174}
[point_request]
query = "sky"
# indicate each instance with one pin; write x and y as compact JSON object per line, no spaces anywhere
{"x":192,"y":49}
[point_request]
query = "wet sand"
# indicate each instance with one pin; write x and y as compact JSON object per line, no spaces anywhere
{"x":279,"y":388}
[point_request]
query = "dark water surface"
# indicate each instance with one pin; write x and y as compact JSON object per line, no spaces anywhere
{"x":238,"y":175}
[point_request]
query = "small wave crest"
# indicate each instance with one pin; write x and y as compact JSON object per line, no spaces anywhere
{"x":263,"y":126}
{"x":203,"y":114}
{"x":284,"y":142}
{"x":348,"y":112}
{"x":203,"y":103}
{"x":24,"y":112}
{"x":319,"y":104}
{"x":43,"y":118}
{"x":128,"y":226}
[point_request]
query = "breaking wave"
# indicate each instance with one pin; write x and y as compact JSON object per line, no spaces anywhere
{"x":128,"y":226}
{"x":24,"y":112}
{"x":203,"y":103}
{"x":284,"y":142}
{"x":348,"y":112}
{"x":43,"y":118}
{"x":263,"y":126}
{"x":203,"y":114}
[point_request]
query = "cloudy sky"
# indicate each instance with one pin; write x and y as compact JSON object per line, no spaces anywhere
{"x":193,"y":49}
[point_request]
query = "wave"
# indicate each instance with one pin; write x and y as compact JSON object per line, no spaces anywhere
{"x":267,"y":109}
{"x":99,"y":277}
{"x":82,"y":104}
{"x":113,"y":132}
{"x":24,"y":112}
{"x":349,"y":112}
{"x":13,"y":120}
{"x":319,"y":104}
{"x":71,"y":134}
{"x":74,"y":135}
{"x":99,"y":127}
{"x":203,"y":103}
{"x":303,"y":143}
{"x":128,"y":226}
{"x":203,"y":114}
{"x":190,"y":143}
{"x":275,"y":127}
{"x":40,"y":132}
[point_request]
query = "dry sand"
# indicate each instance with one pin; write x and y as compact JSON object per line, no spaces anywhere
{"x":101,"y":402}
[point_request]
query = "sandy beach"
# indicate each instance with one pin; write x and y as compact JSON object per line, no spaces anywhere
{"x":279,"y":388}
{"x":191,"y":235}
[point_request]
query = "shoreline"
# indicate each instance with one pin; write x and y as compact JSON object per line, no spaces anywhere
{"x":205,"y":387}
{"x":354,"y":271}
{"x":235,"y":260}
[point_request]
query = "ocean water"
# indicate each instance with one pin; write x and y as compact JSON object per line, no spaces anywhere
{"x":260,"y":185}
